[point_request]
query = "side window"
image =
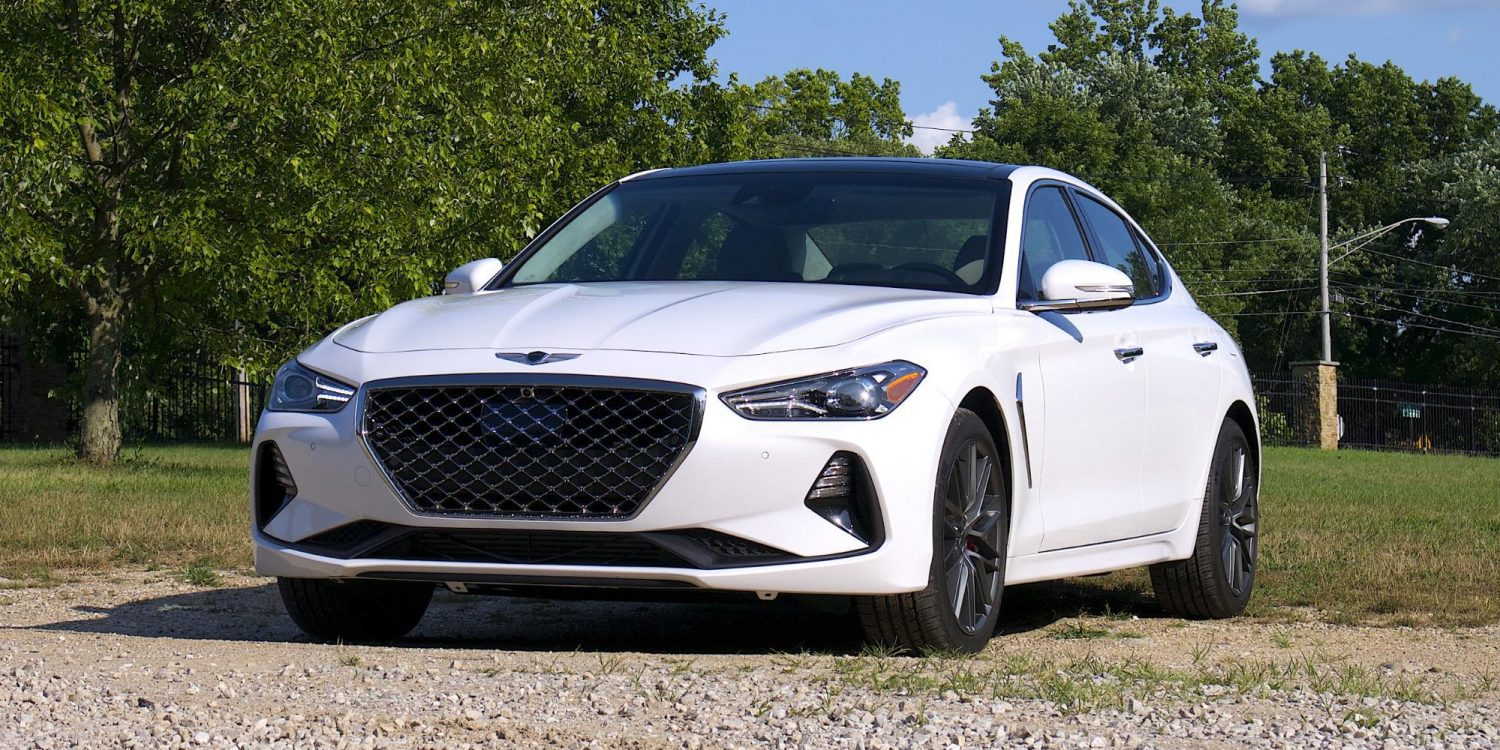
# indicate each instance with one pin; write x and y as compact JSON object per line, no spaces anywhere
{"x":1117,"y":246}
{"x":1154,"y":262}
{"x":1050,"y":234}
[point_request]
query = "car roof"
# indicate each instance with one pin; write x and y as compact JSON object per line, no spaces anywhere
{"x":864,"y":164}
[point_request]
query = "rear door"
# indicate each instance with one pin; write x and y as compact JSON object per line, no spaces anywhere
{"x":1178,"y":343}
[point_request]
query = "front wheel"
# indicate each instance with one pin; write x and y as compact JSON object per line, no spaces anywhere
{"x":1216,"y":581}
{"x":354,"y":611}
{"x":971,"y":525}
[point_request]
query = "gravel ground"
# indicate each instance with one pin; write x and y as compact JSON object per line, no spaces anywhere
{"x":143,"y":660}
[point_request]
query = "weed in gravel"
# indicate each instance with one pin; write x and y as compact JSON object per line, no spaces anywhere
{"x":1201,"y":652}
{"x":610,"y":663}
{"x":1078,"y":631}
{"x":1281,"y":639}
{"x":879,"y":650}
{"x":198,"y":574}
{"x":345,"y":658}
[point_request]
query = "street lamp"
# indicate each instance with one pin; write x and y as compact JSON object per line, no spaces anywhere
{"x":1436,"y":222}
{"x":1363,"y":239}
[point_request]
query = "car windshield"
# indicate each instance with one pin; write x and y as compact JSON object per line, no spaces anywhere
{"x":867,"y":229}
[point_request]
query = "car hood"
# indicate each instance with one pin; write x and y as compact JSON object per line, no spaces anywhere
{"x":700,"y":317}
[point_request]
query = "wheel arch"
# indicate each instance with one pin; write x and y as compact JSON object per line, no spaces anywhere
{"x":1241,"y":414}
{"x":982,"y":401}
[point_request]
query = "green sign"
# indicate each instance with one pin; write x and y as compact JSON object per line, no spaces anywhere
{"x":1410,"y":411}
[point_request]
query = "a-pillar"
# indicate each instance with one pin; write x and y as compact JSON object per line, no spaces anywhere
{"x":1317,"y":415}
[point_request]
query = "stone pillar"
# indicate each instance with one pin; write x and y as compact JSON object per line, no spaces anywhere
{"x":1317,"y":416}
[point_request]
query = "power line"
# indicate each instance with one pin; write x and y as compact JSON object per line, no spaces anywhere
{"x":1216,"y":283}
{"x":1264,"y":314}
{"x":1450,"y":269}
{"x":1238,"y":242}
{"x":1411,"y":295}
{"x":1256,"y":292}
{"x":1408,"y":324}
{"x":1405,"y":311}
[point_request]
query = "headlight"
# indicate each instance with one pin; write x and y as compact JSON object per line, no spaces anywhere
{"x":300,"y":389}
{"x":862,"y":393}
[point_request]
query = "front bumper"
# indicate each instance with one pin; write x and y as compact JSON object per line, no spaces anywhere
{"x":742,"y":478}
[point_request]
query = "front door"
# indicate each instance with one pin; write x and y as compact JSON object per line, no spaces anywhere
{"x":1094,"y":396}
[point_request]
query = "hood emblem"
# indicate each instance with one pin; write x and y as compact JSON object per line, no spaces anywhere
{"x":534,"y":358}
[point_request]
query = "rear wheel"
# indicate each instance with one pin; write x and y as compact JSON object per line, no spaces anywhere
{"x":354,"y":611}
{"x":971,"y":525}
{"x":1216,"y":581}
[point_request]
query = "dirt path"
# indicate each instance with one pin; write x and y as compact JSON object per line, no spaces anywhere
{"x":142,"y":660}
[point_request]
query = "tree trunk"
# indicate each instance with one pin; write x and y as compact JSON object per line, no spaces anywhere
{"x":99,"y":442}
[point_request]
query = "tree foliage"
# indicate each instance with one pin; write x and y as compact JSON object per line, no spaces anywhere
{"x":236,"y":177}
{"x":1168,"y":113}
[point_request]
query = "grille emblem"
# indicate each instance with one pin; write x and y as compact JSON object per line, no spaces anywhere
{"x":534,"y":358}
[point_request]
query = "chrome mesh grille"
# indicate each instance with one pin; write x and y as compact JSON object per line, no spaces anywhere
{"x":528,"y":450}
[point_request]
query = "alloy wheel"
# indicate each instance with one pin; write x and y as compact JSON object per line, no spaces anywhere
{"x":973,"y":536}
{"x":1237,"y":520}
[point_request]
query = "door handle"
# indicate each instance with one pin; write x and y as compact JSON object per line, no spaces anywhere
{"x":1205,"y":348}
{"x":1129,"y":354}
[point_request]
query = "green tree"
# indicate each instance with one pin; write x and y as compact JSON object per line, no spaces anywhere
{"x":816,"y":113}
{"x":1166,"y":111}
{"x":237,"y":175}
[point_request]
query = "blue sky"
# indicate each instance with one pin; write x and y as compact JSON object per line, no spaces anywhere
{"x":938,"y":49}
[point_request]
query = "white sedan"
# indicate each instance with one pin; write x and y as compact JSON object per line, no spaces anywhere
{"x":910,"y":382}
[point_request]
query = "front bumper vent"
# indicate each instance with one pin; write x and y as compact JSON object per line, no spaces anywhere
{"x":844,"y":496}
{"x":576,"y":450}
{"x":702,"y":549}
{"x":274,"y":486}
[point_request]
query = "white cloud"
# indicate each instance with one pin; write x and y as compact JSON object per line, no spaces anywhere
{"x":935,"y":128}
{"x":1303,"y":8}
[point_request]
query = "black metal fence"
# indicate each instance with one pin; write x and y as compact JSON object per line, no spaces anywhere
{"x":1384,"y":415}
{"x":1282,"y":402}
{"x":10,"y":386}
{"x":200,"y":402}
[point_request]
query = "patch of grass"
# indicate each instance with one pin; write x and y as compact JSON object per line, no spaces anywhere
{"x":198,"y":574}
{"x":1366,"y":537}
{"x":1358,"y":536}
{"x":167,"y":506}
{"x":1078,"y":631}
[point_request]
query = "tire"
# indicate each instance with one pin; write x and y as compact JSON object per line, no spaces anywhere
{"x":1217,"y":580}
{"x":970,"y":533}
{"x":354,"y":611}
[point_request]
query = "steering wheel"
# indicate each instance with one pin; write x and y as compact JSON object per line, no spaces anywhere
{"x":934,"y":270}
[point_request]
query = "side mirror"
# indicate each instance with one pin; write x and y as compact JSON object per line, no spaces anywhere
{"x":1081,"y":285}
{"x":472,"y":276}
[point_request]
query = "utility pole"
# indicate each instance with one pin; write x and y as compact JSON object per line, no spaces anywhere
{"x":1323,"y":254}
{"x":1319,"y":380}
